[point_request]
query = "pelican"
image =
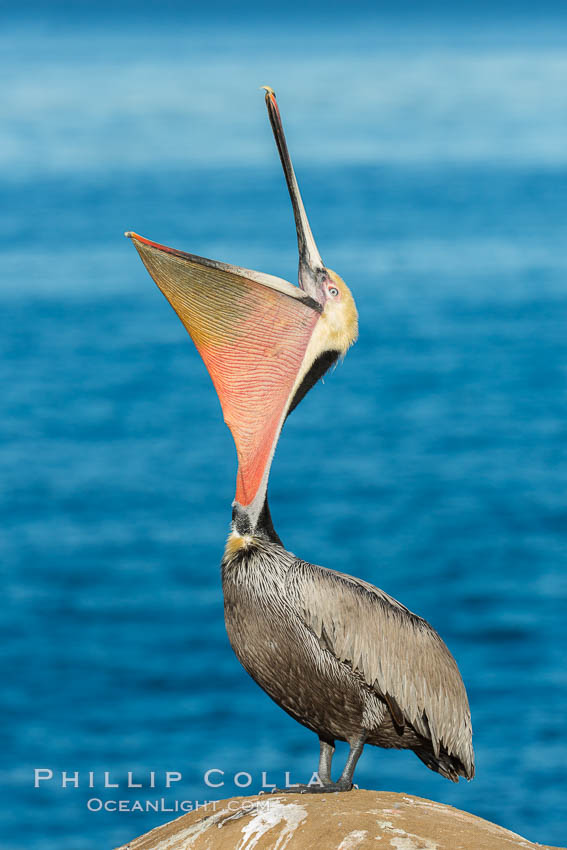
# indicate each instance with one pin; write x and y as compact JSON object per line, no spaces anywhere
{"x":336,"y":653}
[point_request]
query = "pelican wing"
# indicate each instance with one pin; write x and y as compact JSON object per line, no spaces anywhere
{"x":398,"y":654}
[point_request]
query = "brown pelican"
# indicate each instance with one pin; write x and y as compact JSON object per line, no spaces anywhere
{"x":338,"y":654}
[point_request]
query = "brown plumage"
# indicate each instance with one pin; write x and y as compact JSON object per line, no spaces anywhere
{"x":344,"y":658}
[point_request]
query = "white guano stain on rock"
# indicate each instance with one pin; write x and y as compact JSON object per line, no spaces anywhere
{"x":412,"y":842}
{"x":402,"y":840}
{"x":382,"y":820}
{"x":353,"y":839}
{"x":290,"y":814}
{"x":192,"y":833}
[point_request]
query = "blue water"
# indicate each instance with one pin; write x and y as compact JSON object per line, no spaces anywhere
{"x":433,"y":163}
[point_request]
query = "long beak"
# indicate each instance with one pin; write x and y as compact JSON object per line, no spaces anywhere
{"x":252,"y":331}
{"x":310,"y":263}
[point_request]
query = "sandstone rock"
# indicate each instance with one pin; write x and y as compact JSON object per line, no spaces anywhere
{"x":358,"y":820}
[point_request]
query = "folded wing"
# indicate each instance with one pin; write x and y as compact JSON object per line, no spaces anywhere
{"x":396,"y":652}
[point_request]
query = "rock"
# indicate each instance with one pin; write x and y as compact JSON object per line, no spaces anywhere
{"x":354,"y":821}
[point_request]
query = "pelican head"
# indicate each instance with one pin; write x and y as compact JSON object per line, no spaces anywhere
{"x":321,"y":283}
{"x":264,"y":341}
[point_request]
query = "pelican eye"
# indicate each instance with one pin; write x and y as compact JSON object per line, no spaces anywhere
{"x":333,"y":291}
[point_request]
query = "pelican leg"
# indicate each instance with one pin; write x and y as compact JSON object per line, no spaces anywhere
{"x":325,"y":758}
{"x":345,"y":782}
{"x":326,"y":752}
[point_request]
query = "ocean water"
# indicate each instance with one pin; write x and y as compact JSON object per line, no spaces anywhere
{"x":432,"y":462}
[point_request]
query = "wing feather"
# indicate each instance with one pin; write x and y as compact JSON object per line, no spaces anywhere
{"x":398,"y":654}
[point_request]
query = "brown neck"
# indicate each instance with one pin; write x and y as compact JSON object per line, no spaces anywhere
{"x":263,"y":526}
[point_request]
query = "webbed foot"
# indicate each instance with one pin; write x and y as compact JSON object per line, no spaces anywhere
{"x":327,"y":788}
